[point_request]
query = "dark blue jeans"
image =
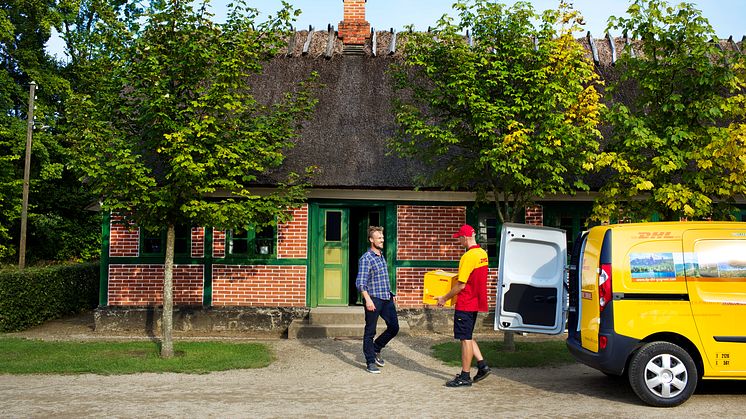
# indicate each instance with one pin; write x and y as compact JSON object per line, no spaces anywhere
{"x":386,"y":309}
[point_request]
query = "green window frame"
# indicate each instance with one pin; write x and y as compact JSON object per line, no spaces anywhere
{"x":154,"y":244}
{"x":488,"y":234}
{"x":251,"y":243}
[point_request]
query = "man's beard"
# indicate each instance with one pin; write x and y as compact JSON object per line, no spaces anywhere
{"x":378,"y":247}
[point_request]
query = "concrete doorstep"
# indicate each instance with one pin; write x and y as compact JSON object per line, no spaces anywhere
{"x":334,"y":322}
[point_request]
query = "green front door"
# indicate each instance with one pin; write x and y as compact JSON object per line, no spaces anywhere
{"x":332,"y":263}
{"x":361,"y":218}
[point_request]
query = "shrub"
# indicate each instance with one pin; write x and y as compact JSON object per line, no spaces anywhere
{"x":35,"y":295}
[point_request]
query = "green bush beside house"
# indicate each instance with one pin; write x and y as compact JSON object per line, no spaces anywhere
{"x":34,"y":295}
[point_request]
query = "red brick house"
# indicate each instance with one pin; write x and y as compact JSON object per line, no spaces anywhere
{"x":244,"y":280}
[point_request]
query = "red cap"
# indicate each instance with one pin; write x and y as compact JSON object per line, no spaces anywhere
{"x":465,"y":231}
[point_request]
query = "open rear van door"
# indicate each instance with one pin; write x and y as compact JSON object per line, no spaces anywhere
{"x":531,"y":293}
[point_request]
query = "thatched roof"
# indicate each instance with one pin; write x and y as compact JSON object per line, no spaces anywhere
{"x":325,"y":44}
{"x":346,"y":136}
{"x":346,"y":139}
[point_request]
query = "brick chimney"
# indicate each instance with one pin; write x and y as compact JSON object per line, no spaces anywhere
{"x":354,"y":29}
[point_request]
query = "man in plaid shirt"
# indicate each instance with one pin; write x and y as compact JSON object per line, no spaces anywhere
{"x":373,"y":283}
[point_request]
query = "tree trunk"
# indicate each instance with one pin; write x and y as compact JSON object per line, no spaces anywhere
{"x":167,"y":320}
{"x":509,"y":341}
{"x":508,"y":337}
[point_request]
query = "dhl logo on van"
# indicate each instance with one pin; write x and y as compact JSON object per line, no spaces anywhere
{"x":655,"y":235}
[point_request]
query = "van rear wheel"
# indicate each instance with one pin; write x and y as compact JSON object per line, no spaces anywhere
{"x":662,"y":374}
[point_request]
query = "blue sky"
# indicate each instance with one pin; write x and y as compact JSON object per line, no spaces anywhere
{"x":727,"y":17}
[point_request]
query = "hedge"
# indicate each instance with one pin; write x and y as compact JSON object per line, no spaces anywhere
{"x":35,"y":295}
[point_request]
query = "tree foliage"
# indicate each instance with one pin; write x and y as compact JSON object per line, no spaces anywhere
{"x":177,"y":123}
{"x":677,"y":149}
{"x":58,"y":226}
{"x":173,"y":135}
{"x":502,"y":115}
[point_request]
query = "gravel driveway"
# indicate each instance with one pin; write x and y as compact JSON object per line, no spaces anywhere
{"x":326,"y":378}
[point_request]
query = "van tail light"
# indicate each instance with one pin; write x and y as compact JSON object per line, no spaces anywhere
{"x":604,"y":286}
{"x":602,"y":342}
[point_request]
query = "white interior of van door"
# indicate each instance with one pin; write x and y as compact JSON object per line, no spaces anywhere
{"x":531,"y":295}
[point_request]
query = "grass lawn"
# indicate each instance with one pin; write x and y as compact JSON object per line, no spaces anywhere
{"x":22,"y":356}
{"x":527,"y":354}
{"x":25,"y":356}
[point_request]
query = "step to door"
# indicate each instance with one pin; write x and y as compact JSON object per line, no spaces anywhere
{"x":337,"y":315}
{"x":336,"y":322}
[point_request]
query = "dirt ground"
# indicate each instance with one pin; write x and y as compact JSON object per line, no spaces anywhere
{"x":326,"y":378}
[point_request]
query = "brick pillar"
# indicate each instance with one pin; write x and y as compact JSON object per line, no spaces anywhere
{"x":535,"y":215}
{"x":354,"y":29}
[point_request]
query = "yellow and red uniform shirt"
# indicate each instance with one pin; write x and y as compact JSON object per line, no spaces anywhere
{"x":473,"y":270}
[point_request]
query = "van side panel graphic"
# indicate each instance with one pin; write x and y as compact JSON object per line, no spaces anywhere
{"x":655,"y":267}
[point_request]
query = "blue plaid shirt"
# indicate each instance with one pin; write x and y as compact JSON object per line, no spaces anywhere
{"x":373,"y":276}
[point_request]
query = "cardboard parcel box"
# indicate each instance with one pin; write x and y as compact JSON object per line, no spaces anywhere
{"x":438,"y":283}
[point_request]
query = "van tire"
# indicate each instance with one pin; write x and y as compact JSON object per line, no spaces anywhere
{"x":662,"y":374}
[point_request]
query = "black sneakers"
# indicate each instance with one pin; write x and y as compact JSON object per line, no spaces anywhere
{"x":482,"y":373}
{"x":459,"y":382}
{"x":373,"y":369}
{"x":379,"y":361}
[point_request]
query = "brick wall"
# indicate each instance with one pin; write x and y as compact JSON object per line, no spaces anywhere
{"x":424,"y":232}
{"x":142,"y":285}
{"x":292,"y":236}
{"x":124,"y":241}
{"x":409,"y":285}
{"x":259,"y":286}
{"x":198,"y":242}
{"x":218,"y":243}
{"x":535,"y":215}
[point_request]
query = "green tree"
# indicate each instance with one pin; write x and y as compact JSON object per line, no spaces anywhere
{"x":508,"y":118}
{"x":91,"y":29}
{"x":24,"y":28}
{"x":176,"y":136}
{"x":58,"y":226}
{"x":677,"y":148}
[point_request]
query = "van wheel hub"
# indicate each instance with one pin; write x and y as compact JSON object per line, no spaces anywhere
{"x":665,"y":375}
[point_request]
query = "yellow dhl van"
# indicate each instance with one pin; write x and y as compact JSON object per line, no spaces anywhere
{"x":662,"y":303}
